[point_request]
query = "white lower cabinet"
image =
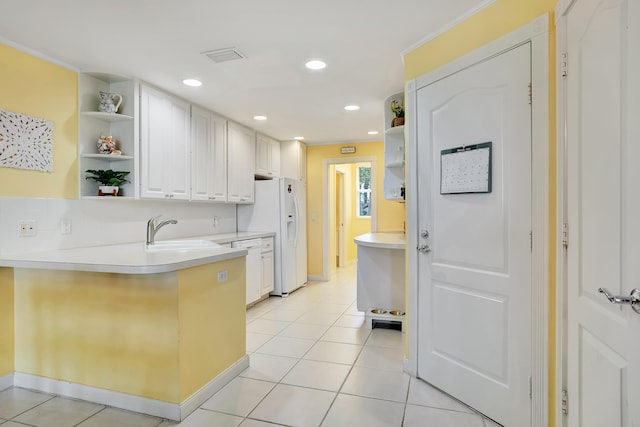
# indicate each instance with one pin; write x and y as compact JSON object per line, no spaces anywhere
{"x":241,"y":143}
{"x":268,"y":278}
{"x":165,"y":130}
{"x":259,"y":267}
{"x":208,"y":156}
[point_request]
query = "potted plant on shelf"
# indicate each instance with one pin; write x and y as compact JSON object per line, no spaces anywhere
{"x":111,"y":180}
{"x":397,"y":108}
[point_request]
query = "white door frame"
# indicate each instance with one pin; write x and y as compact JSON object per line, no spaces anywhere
{"x":342,"y":232}
{"x":537,"y":33}
{"x":326,"y":228}
{"x":561,"y":208}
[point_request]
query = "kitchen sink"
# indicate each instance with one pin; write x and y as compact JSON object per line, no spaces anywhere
{"x":181,"y":245}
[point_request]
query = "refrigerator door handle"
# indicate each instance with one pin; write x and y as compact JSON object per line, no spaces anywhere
{"x":297,"y":218}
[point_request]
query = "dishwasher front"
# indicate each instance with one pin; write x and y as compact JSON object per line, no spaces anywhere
{"x":253,"y":267}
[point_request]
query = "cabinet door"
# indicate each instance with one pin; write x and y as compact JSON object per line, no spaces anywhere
{"x":201,"y":153}
{"x":274,"y":156}
{"x":219,"y":170}
{"x":164,"y":145}
{"x":267,"y":273}
{"x":208,"y":156}
{"x":302,"y":161}
{"x":262,"y":156}
{"x":241,"y":166}
{"x":178,"y":149}
{"x":294,"y":160}
{"x":155,"y":113}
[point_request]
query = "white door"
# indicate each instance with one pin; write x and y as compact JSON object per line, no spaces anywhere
{"x":603,"y":175}
{"x":474,"y":292}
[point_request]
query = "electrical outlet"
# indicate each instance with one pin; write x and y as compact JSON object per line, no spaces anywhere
{"x":27,"y":228}
{"x":65,"y":226}
{"x":223,"y":276}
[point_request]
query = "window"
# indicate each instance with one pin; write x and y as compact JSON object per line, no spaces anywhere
{"x":363,"y":191}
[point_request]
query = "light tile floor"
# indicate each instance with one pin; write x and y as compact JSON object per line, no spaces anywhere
{"x":313,"y":362}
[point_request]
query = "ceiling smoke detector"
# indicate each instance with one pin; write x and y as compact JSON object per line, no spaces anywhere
{"x":224,"y":55}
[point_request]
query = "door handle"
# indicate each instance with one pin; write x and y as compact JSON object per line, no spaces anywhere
{"x":424,"y":249}
{"x":633,"y":299}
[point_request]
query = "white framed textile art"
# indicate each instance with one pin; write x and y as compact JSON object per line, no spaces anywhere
{"x":25,"y":142}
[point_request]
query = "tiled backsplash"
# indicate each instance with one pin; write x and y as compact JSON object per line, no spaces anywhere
{"x":105,"y":222}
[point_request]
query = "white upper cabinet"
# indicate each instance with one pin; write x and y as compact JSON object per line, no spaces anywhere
{"x":293,"y":155}
{"x":267,"y":156}
{"x":165,"y":131}
{"x":208,"y":156}
{"x":241,"y":166}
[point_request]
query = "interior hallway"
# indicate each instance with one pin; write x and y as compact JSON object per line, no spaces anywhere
{"x":313,"y":363}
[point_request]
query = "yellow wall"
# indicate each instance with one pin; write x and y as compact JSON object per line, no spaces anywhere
{"x":156,"y":335}
{"x":6,"y":322}
{"x":212,"y":322}
{"x":390,"y":215}
{"x":37,"y":88}
{"x":496,"y":20}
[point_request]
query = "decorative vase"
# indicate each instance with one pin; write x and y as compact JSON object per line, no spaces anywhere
{"x":108,"y":102}
{"x":397,"y":121}
{"x":108,"y":190}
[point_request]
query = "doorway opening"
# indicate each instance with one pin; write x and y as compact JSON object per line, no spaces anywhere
{"x":349,"y":209}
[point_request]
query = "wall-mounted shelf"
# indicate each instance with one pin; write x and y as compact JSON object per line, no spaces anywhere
{"x":107,"y":117}
{"x":122,"y":125}
{"x":397,"y":130}
{"x":393,"y":154}
{"x":110,"y":157}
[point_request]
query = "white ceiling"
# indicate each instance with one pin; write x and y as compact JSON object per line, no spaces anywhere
{"x":161,"y":41}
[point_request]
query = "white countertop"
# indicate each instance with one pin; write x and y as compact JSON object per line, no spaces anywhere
{"x":381,"y":240}
{"x":131,"y":258}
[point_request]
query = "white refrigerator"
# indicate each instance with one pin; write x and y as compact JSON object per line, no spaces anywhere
{"x":280,"y":206}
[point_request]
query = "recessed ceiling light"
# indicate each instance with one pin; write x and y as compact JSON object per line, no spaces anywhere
{"x":260,"y":118}
{"x":315,"y":64}
{"x":373,"y":132}
{"x":352,"y":107}
{"x":298,"y":138}
{"x":192,"y":82}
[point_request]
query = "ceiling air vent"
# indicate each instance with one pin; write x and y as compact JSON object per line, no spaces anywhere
{"x":224,"y":55}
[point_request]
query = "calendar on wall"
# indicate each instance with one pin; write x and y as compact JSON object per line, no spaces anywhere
{"x":466,"y":169}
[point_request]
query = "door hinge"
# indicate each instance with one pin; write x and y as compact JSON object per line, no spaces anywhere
{"x":565,"y":402}
{"x":530,"y":95}
{"x":530,"y":388}
{"x":565,"y":235}
{"x":564,"y":65}
{"x":531,"y":239}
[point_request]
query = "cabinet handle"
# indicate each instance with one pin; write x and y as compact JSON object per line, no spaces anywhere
{"x":166,"y":196}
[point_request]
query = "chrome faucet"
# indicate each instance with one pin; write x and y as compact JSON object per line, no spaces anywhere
{"x":152,"y":228}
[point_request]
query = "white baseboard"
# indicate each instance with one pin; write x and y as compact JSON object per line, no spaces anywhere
{"x":157,"y":408}
{"x":6,"y":381}
{"x":194,"y":401}
{"x":316,"y":278}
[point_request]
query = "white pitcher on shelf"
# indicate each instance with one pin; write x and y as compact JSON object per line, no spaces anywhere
{"x":107,"y":102}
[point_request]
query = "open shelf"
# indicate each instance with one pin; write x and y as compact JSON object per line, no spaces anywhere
{"x":107,"y":117}
{"x":395,"y":130}
{"x":110,"y":157}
